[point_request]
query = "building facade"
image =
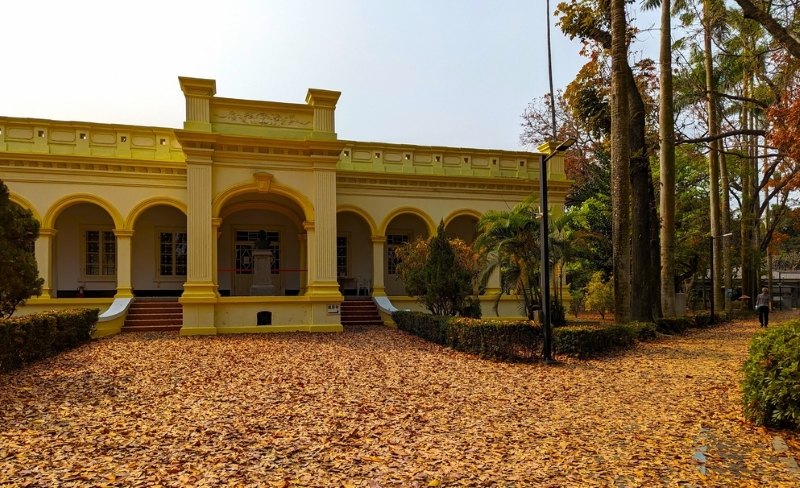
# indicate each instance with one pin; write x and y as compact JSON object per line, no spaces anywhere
{"x":131,"y":211}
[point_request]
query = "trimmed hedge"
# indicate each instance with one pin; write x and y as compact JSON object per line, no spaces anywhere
{"x":590,"y":341}
{"x":673,"y":325}
{"x":32,"y":337}
{"x":520,"y":340}
{"x":771,"y":385}
{"x":702,"y":319}
{"x":493,"y":339}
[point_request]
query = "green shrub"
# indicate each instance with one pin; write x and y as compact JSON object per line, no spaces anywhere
{"x":702,"y":319}
{"x":594,"y":340}
{"x":673,"y":325}
{"x":32,"y":337}
{"x":495,"y":339}
{"x":771,"y":385}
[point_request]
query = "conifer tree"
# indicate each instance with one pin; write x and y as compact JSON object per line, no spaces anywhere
{"x":19,"y":274}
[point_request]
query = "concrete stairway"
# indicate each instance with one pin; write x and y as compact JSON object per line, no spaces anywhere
{"x":154,"y":315}
{"x":360,"y":311}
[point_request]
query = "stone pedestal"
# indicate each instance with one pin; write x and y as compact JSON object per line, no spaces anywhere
{"x":262,"y":274}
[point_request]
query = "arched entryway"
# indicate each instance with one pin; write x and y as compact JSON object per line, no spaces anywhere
{"x":463,"y":226}
{"x":354,"y":251}
{"x":240,"y":221}
{"x":398,"y":229}
{"x":159,"y":250}
{"x":85,"y":253}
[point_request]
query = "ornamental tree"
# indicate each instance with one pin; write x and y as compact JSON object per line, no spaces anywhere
{"x":441,"y":273}
{"x":19,"y":274}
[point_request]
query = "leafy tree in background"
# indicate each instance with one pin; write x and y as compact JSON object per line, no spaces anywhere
{"x":600,"y":295}
{"x":441,"y":273}
{"x":19,"y":275}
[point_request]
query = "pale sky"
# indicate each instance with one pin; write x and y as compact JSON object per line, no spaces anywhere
{"x":436,"y":72}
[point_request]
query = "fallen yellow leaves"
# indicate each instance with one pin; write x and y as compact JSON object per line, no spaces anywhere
{"x":374,"y":407}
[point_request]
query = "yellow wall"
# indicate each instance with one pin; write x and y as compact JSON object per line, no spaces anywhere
{"x":251,"y":163}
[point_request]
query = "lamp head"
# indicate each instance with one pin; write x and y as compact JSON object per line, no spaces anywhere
{"x":566,"y":144}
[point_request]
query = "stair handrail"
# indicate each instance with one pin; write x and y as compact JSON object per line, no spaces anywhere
{"x":117,"y":309}
{"x":385,"y":305}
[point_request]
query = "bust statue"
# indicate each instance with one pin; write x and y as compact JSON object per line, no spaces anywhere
{"x":262,"y":243}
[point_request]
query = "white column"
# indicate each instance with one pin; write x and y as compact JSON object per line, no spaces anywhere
{"x":124,"y":250}
{"x":378,"y":252}
{"x":44,"y":260}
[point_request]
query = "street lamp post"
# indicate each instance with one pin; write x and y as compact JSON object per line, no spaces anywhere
{"x":545,"y":251}
{"x":713,"y":289}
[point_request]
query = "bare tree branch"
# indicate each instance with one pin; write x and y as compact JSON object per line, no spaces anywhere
{"x":784,"y":36}
{"x":742,"y":132}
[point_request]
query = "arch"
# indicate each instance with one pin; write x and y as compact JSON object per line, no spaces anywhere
{"x":361,"y":212}
{"x":408,"y":210}
{"x":255,"y":187}
{"x":468,"y":212}
{"x":22,"y":202}
{"x":271,"y":206}
{"x":149,"y":203}
{"x":64,"y":203}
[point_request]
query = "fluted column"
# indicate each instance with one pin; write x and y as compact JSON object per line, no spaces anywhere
{"x":199,"y":290}
{"x":322,"y":239}
{"x":198,"y":93}
{"x":324,"y":103}
{"x":301,"y":238}
{"x":44,"y":259}
{"x":378,"y":251}
{"x":124,"y":250}
{"x":215,"y":225}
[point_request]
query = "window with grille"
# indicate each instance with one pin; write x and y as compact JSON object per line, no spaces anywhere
{"x":172,"y":253}
{"x":245,"y":243}
{"x":101,"y":253}
{"x":341,"y":256}
{"x":394,"y":241}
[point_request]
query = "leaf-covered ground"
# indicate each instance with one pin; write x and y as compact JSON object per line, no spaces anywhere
{"x":376,"y":407}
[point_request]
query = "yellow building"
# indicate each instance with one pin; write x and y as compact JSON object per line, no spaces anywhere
{"x":129,"y":211}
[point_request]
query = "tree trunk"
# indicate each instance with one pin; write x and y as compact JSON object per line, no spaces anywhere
{"x":713,"y":160}
{"x":644,"y":279}
{"x":726,"y":225}
{"x":666,"y":129}
{"x":620,"y":162}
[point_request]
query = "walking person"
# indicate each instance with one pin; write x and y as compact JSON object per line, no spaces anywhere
{"x":762,"y":305}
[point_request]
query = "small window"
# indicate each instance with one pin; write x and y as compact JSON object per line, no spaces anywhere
{"x":522,"y":163}
{"x":264,"y":318}
{"x":347,"y":154}
{"x":123,"y":138}
{"x":163,"y":142}
{"x":438,"y":159}
{"x":82,"y":136}
{"x":100,"y":257}
{"x":172,"y":254}
{"x":394,"y":241}
{"x":494,"y":161}
{"x":41,"y":133}
{"x":408,"y":156}
{"x":377,"y":154}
